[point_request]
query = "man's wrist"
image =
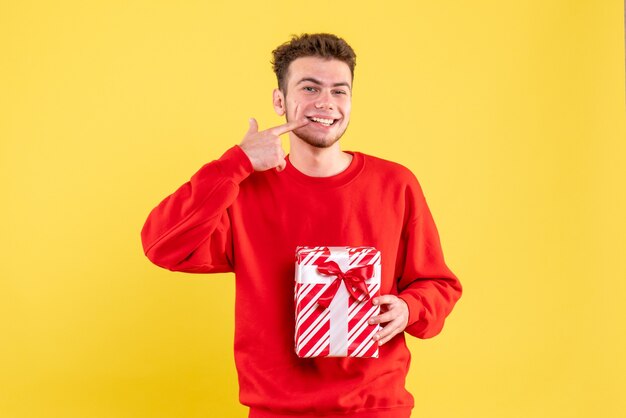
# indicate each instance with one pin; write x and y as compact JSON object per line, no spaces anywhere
{"x":415,"y":305}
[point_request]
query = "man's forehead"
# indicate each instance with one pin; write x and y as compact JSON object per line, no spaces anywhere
{"x":320,"y":71}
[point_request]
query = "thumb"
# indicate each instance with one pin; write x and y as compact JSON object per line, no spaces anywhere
{"x":254,"y":126}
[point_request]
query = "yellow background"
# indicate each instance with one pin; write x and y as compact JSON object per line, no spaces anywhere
{"x":511,"y":114}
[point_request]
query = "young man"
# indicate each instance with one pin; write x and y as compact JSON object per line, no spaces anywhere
{"x":247,"y":211}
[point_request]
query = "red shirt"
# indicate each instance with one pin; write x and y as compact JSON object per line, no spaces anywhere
{"x":229,"y":218}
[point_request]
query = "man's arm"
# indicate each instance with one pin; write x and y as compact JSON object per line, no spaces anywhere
{"x":427,"y":288}
{"x":190,"y":229}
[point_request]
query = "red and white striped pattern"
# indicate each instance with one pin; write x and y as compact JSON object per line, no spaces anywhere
{"x":341,"y":330}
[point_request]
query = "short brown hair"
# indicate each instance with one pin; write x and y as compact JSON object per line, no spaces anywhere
{"x":324,"y":45}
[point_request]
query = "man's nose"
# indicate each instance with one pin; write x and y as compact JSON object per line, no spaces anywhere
{"x":325,"y":102}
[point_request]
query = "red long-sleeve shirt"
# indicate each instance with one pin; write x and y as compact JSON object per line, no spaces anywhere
{"x":229,"y":218}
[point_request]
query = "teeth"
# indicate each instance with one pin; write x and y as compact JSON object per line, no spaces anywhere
{"x":326,"y":122}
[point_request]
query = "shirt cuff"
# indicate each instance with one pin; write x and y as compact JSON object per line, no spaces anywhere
{"x":235,"y":164}
{"x":416,"y":307}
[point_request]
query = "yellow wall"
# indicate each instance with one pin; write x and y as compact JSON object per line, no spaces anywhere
{"x":510,"y":113}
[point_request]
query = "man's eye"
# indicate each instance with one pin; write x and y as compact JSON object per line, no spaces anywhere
{"x":340,"y":92}
{"x":309,"y":88}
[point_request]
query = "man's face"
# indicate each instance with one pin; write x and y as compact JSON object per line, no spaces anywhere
{"x":320,"y":90}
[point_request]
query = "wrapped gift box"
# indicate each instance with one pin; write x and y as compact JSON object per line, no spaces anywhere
{"x":334,"y":287}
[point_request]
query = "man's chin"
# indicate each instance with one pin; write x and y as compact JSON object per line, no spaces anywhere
{"x":316,"y":141}
{"x":319,"y":143}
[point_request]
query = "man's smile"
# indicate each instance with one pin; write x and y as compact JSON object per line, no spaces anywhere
{"x":323,"y":121}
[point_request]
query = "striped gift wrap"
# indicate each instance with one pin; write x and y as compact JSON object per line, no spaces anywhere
{"x":333,"y":291}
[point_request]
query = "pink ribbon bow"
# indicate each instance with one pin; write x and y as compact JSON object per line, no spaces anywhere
{"x":354,"y":279}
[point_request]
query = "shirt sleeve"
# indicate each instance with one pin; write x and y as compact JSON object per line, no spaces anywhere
{"x":426,"y":284}
{"x":190,"y":230}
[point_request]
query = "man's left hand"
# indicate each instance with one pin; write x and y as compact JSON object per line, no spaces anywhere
{"x":394,"y":312}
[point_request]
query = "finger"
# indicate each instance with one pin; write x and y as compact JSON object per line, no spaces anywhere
{"x":384,"y":335}
{"x":254,"y":126}
{"x":287,"y":127}
{"x":282,"y":163}
{"x":381,"y":319}
{"x":384,"y":300}
{"x":387,"y":333}
{"x":281,"y":166}
{"x":387,"y":338}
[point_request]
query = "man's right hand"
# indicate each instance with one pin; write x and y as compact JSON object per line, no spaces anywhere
{"x":264,"y":148}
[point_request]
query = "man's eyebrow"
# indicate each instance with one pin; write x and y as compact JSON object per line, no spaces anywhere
{"x":316,"y":81}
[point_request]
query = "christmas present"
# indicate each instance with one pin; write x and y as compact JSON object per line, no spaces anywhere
{"x":334,"y":287}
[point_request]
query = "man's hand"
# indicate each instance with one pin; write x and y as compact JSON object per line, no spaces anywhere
{"x":395,"y":313}
{"x":264,"y":148}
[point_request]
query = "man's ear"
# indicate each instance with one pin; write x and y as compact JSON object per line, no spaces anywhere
{"x":279,"y":102}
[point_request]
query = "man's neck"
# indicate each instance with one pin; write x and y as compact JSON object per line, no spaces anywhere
{"x":318,"y":162}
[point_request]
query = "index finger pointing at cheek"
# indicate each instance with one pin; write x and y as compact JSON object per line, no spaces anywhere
{"x":287,"y":127}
